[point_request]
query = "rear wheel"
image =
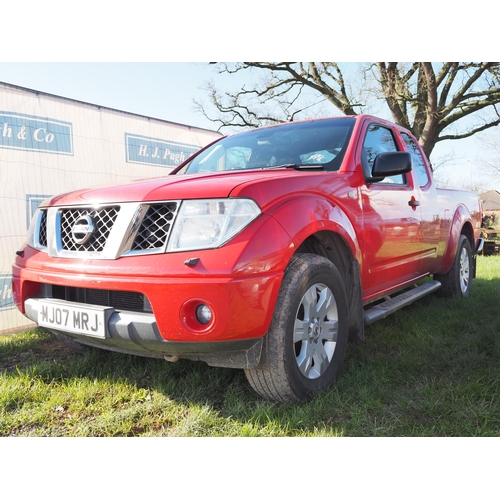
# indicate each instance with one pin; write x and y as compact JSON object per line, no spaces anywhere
{"x":457,"y":282}
{"x":305,"y":346}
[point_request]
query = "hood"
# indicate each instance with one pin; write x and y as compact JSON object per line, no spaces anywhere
{"x":172,"y":187}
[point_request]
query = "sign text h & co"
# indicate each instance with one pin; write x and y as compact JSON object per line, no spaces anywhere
{"x":34,"y":133}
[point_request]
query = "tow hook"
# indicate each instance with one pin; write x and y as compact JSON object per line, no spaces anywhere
{"x":171,"y":358}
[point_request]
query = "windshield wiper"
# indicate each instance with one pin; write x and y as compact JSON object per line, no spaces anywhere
{"x":297,"y":167}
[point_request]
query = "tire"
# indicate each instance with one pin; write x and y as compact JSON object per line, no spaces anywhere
{"x":305,"y":346}
{"x":457,"y":282}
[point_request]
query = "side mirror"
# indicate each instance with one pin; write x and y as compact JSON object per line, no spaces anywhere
{"x":390,"y":163}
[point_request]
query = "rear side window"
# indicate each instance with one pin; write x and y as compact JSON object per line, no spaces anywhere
{"x":378,"y":140}
{"x":417,"y":160}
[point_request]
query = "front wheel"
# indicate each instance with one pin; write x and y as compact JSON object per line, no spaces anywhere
{"x":305,"y":346}
{"x":457,"y":282}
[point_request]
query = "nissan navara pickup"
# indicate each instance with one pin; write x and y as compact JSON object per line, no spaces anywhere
{"x":265,"y":251}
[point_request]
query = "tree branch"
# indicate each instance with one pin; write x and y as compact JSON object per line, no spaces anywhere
{"x":424,"y":97}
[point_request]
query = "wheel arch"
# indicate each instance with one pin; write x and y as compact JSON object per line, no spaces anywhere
{"x":467,"y":230}
{"x":319,"y":226}
{"x":460,"y":225}
{"x":332,"y":246}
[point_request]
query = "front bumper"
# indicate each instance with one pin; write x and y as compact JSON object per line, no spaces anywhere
{"x":239,"y":282}
{"x":242,"y":298}
{"x":137,"y":333}
{"x":242,"y":307}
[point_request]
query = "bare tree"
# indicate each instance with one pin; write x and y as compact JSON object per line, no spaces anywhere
{"x":436,"y":101}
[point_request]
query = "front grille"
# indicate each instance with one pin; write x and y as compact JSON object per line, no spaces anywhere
{"x":126,"y":301}
{"x":107,"y":232}
{"x":103,"y":219}
{"x":154,"y":229}
{"x":42,"y":237}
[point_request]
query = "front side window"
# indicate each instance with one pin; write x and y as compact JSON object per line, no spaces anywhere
{"x":378,"y":140}
{"x":317,"y":144}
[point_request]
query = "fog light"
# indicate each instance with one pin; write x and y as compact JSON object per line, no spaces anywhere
{"x":203,"y":314}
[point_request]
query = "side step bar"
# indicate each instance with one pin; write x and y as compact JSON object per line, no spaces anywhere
{"x":394,"y":304}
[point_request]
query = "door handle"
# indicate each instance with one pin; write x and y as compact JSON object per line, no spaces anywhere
{"x":413,"y":202}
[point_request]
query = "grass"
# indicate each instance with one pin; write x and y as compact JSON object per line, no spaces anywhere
{"x":431,"y":369}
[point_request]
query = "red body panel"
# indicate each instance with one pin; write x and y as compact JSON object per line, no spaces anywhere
{"x":395,"y":243}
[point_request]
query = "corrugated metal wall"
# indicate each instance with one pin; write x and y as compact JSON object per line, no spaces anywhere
{"x":50,"y":145}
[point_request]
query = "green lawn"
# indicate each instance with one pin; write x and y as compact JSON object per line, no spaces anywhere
{"x":432,"y":369}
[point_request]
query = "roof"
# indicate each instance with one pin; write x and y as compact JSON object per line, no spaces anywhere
{"x":491,"y":200}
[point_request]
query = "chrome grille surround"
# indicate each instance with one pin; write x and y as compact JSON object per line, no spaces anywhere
{"x":118,"y":230}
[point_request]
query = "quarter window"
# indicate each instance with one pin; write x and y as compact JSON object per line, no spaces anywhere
{"x":417,"y":160}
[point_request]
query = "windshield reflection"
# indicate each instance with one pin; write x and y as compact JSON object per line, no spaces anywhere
{"x":312,"y":144}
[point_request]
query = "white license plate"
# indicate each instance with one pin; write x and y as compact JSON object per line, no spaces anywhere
{"x":85,"y":319}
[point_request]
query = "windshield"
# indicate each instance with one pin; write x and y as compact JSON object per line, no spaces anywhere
{"x":313,"y":144}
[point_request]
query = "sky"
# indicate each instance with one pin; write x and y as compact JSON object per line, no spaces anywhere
{"x":168,"y":90}
{"x":139,"y":57}
{"x":157,"y":90}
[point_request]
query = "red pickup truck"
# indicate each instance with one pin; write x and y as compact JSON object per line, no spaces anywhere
{"x":267,"y":250}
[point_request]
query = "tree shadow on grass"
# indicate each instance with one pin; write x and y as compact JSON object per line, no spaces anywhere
{"x":41,"y":354}
{"x":427,"y":345}
{"x":223,"y":392}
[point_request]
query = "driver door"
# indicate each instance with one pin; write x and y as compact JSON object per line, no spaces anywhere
{"x":391,"y":217}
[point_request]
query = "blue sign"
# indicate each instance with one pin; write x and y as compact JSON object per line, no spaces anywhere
{"x":6,"y":299}
{"x":150,"y":151}
{"x":33,"y":133}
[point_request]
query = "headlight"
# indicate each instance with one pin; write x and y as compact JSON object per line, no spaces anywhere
{"x":32,"y":239}
{"x":210,"y":223}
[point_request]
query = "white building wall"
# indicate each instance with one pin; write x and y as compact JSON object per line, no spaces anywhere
{"x":50,"y":145}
